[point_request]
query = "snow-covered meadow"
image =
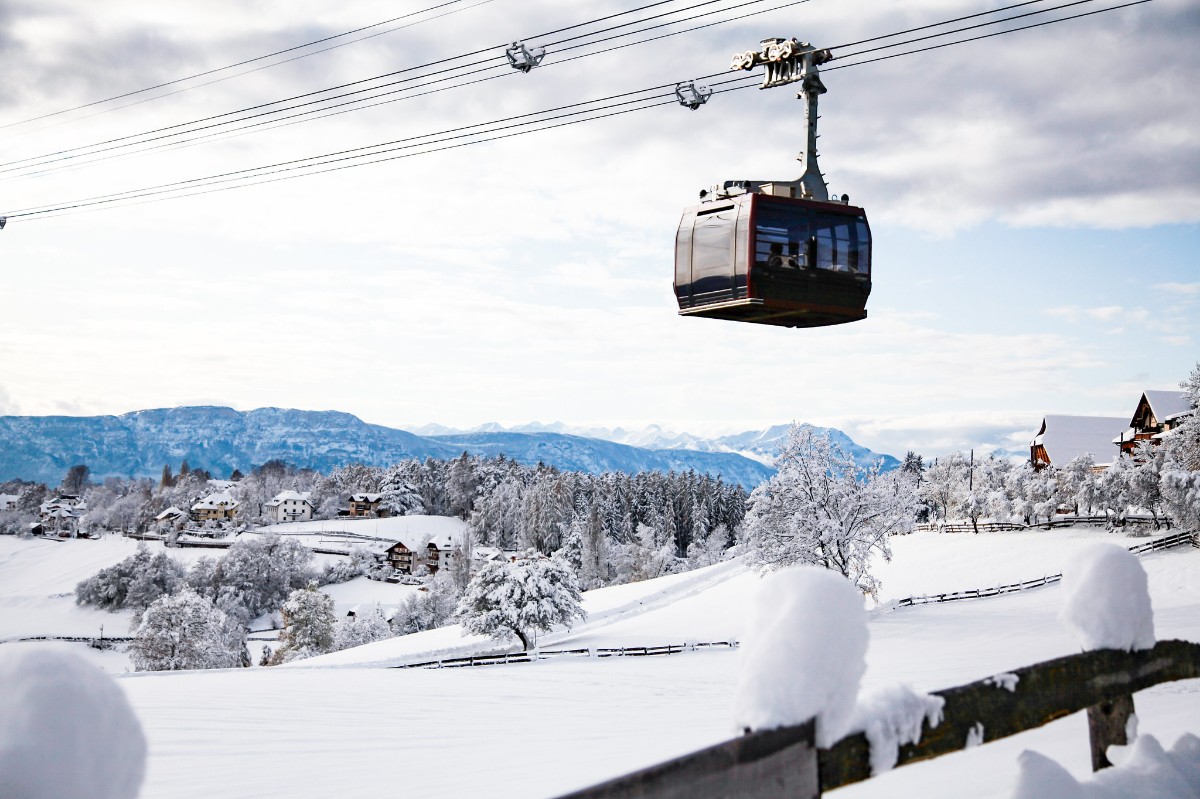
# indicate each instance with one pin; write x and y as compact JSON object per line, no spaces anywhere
{"x":344,"y":724}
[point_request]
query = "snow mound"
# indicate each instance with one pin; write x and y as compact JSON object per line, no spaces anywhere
{"x":1146,"y":771}
{"x":1108,"y":600}
{"x":803,"y":655}
{"x":893,"y":715}
{"x":66,"y":730}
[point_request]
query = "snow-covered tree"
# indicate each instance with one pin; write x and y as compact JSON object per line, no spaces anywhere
{"x":1112,"y":491}
{"x":135,"y":582}
{"x":1181,"y":496}
{"x":361,"y":628}
{"x":1144,"y":479}
{"x":185,"y":631}
{"x":1183,"y":441}
{"x":944,"y":484}
{"x":428,"y":609}
{"x":519,"y":599}
{"x":821,"y":509}
{"x":308,"y":625}
{"x":710,"y":549}
{"x":257,"y":572}
{"x":401,"y":497}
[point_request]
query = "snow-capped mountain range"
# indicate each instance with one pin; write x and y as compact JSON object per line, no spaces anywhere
{"x":219,"y":440}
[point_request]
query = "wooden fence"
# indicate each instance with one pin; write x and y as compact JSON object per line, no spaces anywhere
{"x":504,"y":658}
{"x":1051,"y":524}
{"x":786,"y":763}
{"x":1179,"y":539}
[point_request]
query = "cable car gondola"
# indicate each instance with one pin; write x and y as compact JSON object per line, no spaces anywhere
{"x":776,"y":252}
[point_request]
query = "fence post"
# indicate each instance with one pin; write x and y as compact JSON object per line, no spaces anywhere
{"x":1107,"y":726}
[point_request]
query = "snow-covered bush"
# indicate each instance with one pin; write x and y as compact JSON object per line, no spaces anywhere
{"x":66,"y":729}
{"x":1181,"y":496}
{"x":186,"y":631}
{"x":257,"y":574}
{"x":429,"y":609}
{"x":135,"y":582}
{"x":361,"y":561}
{"x":820,"y":509}
{"x":362,"y":628}
{"x":309,"y":624}
{"x":519,"y":599}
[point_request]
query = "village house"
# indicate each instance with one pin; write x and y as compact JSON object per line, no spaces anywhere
{"x":61,"y":515}
{"x":289,"y":506}
{"x":400,"y":557}
{"x":363,"y":505}
{"x":170,"y":519}
{"x":217,"y":507}
{"x":1157,"y":412}
{"x":9,"y":501}
{"x":440,"y":550}
{"x":1062,"y":438}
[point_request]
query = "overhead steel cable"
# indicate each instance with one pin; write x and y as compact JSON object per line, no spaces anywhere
{"x":338,"y":87}
{"x":244,"y":63}
{"x":395,"y":144}
{"x":345,"y":161}
{"x":969,"y":28}
{"x":278,"y":123}
{"x":23,"y":167}
{"x":934,"y":25}
{"x":985,"y":36}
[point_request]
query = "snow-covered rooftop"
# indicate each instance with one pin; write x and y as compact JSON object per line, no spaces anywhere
{"x":364,"y":497}
{"x":284,"y":496}
{"x":169,"y":513}
{"x":1167,"y":404}
{"x":1065,"y":437}
{"x":216,"y":501}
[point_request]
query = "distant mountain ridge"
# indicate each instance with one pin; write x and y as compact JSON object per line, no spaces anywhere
{"x":218,"y":439}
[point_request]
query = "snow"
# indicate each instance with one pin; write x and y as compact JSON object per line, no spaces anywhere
{"x":891,"y":716}
{"x":66,"y":730}
{"x":803,"y":655}
{"x":335,"y":725}
{"x":412,"y":530}
{"x":1144,"y":771}
{"x":1107,"y":600}
{"x":1006,"y":681}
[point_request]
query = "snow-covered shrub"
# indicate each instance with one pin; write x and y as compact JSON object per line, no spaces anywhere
{"x":804,"y":654}
{"x":820,"y":509}
{"x":362,"y":628}
{"x":1181,"y":496}
{"x":361,"y":561}
{"x":1107,"y":599}
{"x":429,"y":609}
{"x":257,"y":573}
{"x":518,"y":599}
{"x":66,"y":729}
{"x":135,"y":582}
{"x":309,"y":620}
{"x":186,"y":631}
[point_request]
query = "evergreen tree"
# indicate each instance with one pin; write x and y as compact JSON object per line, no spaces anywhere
{"x":308,"y":625}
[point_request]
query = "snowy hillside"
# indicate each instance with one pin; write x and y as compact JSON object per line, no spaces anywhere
{"x":340,"y":725}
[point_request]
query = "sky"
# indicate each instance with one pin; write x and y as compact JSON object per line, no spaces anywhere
{"x":1034,"y":200}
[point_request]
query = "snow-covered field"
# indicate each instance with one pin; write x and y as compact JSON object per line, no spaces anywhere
{"x":343,"y":725}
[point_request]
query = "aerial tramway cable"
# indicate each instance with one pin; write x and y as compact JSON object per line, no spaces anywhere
{"x":442,"y":141}
{"x":24,"y":163}
{"x":250,"y":61}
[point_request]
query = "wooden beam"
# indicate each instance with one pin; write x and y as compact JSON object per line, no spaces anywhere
{"x":763,"y":765}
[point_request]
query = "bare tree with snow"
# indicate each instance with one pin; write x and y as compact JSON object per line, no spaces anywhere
{"x":822,"y":509}
{"x":186,"y":631}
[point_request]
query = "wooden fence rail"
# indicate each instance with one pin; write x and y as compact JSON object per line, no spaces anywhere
{"x":1179,"y":539}
{"x":504,"y":658}
{"x":784,"y":762}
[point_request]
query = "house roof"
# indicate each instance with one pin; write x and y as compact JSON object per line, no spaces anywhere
{"x":444,"y":542}
{"x":7,"y":499}
{"x":1166,"y":405}
{"x":169,"y":513}
{"x":1065,"y":437}
{"x":284,"y":496}
{"x":218,"y":501}
{"x":364,"y":497}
